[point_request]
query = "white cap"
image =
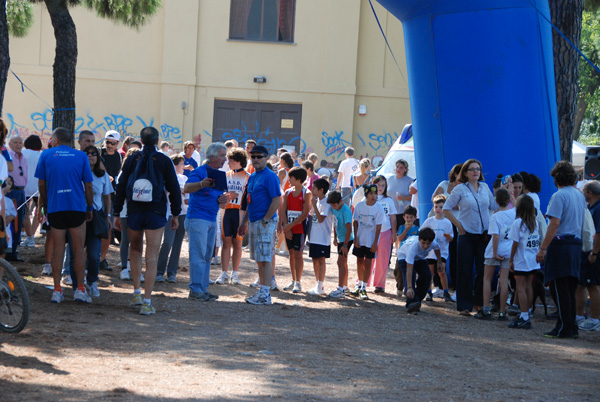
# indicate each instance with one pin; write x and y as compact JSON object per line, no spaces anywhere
{"x":112,"y":135}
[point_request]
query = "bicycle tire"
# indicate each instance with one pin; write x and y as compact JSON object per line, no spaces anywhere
{"x":14,"y":300}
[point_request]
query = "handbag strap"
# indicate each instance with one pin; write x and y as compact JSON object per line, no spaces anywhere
{"x":478,"y":208}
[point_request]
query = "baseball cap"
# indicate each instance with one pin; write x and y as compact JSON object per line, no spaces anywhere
{"x":370,"y":188}
{"x":259,"y":149}
{"x":112,"y":135}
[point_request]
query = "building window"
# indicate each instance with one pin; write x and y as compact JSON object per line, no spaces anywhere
{"x":262,"y":20}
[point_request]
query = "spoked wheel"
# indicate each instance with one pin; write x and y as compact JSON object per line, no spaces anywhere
{"x":14,"y":301}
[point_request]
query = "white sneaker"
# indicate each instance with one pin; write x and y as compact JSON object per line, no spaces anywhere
{"x":28,"y":242}
{"x":125,"y":275}
{"x":274,"y":286}
{"x":47,"y":270}
{"x":93,"y":289}
{"x":119,"y":264}
{"x":216,"y":260}
{"x":316,"y":291}
{"x":82,"y":297}
{"x":259,"y":299}
{"x":223,"y":278}
{"x":235,"y":280}
{"x":337,"y":294}
{"x":256,"y":283}
{"x":439,"y":293}
{"x":57,"y":297}
{"x":67,"y":280}
{"x":588,"y":325}
{"x":297,"y":287}
{"x":289,"y":286}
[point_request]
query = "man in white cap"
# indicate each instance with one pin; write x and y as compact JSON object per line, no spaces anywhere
{"x":112,"y":160}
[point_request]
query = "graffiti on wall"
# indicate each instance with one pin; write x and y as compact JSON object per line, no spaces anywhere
{"x":267,"y":139}
{"x":334,"y":144}
{"x":40,"y":123}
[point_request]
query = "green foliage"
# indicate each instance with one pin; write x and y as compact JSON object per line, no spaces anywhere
{"x":19,"y":15}
{"x":133,"y":13}
{"x":589,"y":79}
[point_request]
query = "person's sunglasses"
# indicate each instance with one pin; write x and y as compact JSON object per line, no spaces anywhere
{"x":112,"y":143}
{"x":258,"y":156}
{"x":21,"y":170}
{"x":92,"y":153}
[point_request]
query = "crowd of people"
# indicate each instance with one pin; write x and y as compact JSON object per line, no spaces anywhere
{"x":475,"y":240}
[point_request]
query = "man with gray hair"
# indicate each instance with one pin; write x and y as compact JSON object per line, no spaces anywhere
{"x":19,"y":175}
{"x":589,"y":277}
{"x":147,"y":216}
{"x":201,"y":219}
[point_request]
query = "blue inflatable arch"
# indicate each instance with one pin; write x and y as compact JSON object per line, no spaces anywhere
{"x":481,"y":83}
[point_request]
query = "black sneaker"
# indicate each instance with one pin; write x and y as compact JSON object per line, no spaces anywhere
{"x":502,"y":317}
{"x":413,"y":307}
{"x":355,"y":292}
{"x":481,"y":315}
{"x":520,"y":323}
{"x":104,"y":266}
{"x":379,"y":290}
{"x":429,"y":297}
{"x":363,"y":294}
{"x":554,"y":334}
{"x":448,"y":298}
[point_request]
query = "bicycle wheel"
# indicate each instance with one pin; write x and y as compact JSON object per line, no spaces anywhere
{"x":14,"y":300}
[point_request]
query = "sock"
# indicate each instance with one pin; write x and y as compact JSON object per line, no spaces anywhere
{"x":81,"y":287}
{"x":137,"y":291}
{"x":525,"y":316}
{"x":320,"y":285}
{"x":148,"y":302}
{"x":264,"y":289}
{"x":58,"y":288}
{"x":363,"y":286}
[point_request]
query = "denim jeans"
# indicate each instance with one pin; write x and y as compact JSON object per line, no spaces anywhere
{"x":19,"y":197}
{"x":171,"y":245}
{"x":92,"y":245}
{"x":201,"y":238}
{"x":471,"y":250}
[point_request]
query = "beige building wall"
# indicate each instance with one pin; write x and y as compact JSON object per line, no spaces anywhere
{"x":169,"y":73}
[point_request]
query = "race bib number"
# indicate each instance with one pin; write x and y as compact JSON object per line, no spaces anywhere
{"x":506,"y":232}
{"x":292,"y":215}
{"x":533,"y":241}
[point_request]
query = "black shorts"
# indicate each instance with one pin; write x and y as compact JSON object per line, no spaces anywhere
{"x":145,"y":220}
{"x":589,"y":274}
{"x":363,"y":252}
{"x":231,"y":223}
{"x":297,"y":242}
{"x":66,"y":219}
{"x":340,"y":247}
{"x":525,"y":273}
{"x":318,"y":251}
{"x":433,"y":261}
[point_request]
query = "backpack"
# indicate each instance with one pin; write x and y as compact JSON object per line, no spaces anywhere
{"x":145,"y":184}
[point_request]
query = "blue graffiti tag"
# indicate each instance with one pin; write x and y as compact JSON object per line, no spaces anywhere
{"x":383,"y":142}
{"x":334,"y":144}
{"x":265,"y":139}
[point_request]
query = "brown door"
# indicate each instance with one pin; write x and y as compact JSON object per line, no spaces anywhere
{"x":272,"y":125}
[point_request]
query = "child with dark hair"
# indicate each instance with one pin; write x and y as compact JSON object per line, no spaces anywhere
{"x":412,"y":257}
{"x":320,"y":233}
{"x":405,"y":231}
{"x":367,"y":219}
{"x":342,"y":238}
{"x":526,"y":243}
{"x":380,"y":264}
{"x":497,"y":254}
{"x":310,"y":173}
{"x":295,"y":210}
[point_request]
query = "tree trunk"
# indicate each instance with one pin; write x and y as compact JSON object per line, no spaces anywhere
{"x":579,"y":115}
{"x":566,"y":15}
{"x":4,"y":53}
{"x":65,"y":62}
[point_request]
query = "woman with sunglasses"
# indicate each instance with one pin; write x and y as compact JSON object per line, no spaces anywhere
{"x":474,"y":199}
{"x":102,"y":197}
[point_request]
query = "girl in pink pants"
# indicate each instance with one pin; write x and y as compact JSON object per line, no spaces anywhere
{"x":381,"y":262}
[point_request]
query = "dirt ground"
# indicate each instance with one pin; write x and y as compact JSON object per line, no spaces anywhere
{"x":302,"y":347}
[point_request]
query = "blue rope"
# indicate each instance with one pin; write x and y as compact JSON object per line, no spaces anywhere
{"x":386,"y":42}
{"x":23,"y":86}
{"x":595,"y":67}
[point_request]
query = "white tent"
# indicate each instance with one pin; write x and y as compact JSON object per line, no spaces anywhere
{"x":578,"y":154}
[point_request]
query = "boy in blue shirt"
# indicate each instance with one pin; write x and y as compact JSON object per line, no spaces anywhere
{"x":404,"y":232}
{"x":343,"y":239}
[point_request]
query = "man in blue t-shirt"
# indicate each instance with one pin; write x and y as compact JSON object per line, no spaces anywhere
{"x":66,"y":196}
{"x":263,"y":199}
{"x":201,"y":220}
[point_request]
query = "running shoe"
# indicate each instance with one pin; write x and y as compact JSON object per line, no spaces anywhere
{"x":47,"y":270}
{"x":67,"y":280}
{"x":93,"y":289}
{"x":125,"y":275}
{"x":337,"y":294}
{"x":379,"y":290}
{"x":514,"y":310}
{"x":136,"y":300}
{"x":588,"y":325}
{"x":159,"y":279}
{"x":104,"y":266}
{"x":259,"y":298}
{"x":289,"y":286}
{"x":201,"y":296}
{"x":274,"y":285}
{"x":580,"y":321}
{"x":413,"y":307}
{"x":363,"y":294}
{"x":216,"y":260}
{"x":172,"y":278}
{"x":316,"y":291}
{"x":502,"y":316}
{"x":297,"y":288}
{"x":447,"y":297}
{"x":355,"y":292}
{"x":482,"y":315}
{"x":82,"y":296}
{"x":429,"y":297}
{"x":256,"y":283}
{"x":520,"y":323}
{"x":223,"y":278}
{"x":147,"y":309}
{"x":439,"y":293}
{"x":57,"y":297}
